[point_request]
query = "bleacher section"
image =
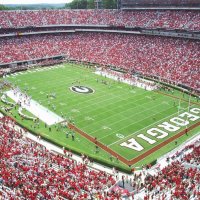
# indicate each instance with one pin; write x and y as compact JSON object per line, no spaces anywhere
{"x":171,"y":19}
{"x":173,"y":60}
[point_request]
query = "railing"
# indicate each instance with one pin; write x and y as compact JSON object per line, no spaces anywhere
{"x":102,"y":29}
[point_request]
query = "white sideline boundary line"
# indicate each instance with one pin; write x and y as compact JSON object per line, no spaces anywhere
{"x":132,"y":134}
{"x":43,"y":113}
{"x":161,"y":160}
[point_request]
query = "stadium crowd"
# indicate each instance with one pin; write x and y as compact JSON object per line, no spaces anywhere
{"x":29,"y":171}
{"x":173,"y":19}
{"x":178,"y":180}
{"x":193,"y":157}
{"x":175,"y":60}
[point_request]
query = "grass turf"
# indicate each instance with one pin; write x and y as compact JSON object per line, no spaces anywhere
{"x":114,"y":113}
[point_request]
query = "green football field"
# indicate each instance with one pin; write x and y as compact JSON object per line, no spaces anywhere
{"x":114,"y":113}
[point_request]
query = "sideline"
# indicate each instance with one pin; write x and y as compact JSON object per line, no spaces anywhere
{"x":169,"y":140}
{"x":174,"y":97}
{"x":144,"y":84}
{"x":94,"y":166}
{"x":140,"y":157}
{"x":43,"y":113}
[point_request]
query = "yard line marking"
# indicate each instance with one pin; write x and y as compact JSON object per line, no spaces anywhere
{"x":103,"y":94}
{"x":106,"y":94}
{"x":123,"y":126}
{"x":126,"y":110}
{"x":113,"y":97}
{"x":134,"y":123}
{"x":84,"y":102}
{"x":106,"y":99}
{"x":123,"y":104}
{"x":162,"y":144}
{"x":143,"y":128}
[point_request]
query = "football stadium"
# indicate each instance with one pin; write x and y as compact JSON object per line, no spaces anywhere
{"x":100,"y":100}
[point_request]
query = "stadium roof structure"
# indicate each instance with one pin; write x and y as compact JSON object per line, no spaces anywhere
{"x":172,"y":4}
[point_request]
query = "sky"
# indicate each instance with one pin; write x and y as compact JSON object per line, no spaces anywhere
{"x":32,"y":1}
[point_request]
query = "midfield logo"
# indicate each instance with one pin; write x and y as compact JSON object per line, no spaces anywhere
{"x":81,"y":89}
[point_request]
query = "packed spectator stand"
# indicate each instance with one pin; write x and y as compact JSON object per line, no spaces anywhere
{"x":30,"y":171}
{"x":176,"y":60}
{"x":172,"y":59}
{"x":180,"y":179}
{"x":171,"y":19}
